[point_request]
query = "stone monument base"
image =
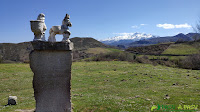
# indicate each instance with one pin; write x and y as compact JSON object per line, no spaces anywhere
{"x":51,"y":64}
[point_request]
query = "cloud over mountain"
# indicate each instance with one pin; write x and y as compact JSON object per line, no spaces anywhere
{"x":138,"y":26}
{"x":172,"y":26}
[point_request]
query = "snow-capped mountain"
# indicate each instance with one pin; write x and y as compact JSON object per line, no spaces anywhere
{"x":126,"y":38}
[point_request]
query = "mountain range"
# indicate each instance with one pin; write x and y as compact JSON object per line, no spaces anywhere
{"x":127,"y":38}
{"x":141,"y":39}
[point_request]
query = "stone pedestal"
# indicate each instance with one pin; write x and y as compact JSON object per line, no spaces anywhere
{"x":51,"y":64}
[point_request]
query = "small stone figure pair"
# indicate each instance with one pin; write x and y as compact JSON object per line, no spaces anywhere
{"x":38,"y":27}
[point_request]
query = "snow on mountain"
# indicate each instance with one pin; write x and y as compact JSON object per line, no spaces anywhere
{"x":128,"y":36}
{"x":125,"y":38}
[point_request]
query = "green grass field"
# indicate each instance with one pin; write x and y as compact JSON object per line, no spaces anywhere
{"x":109,"y":86}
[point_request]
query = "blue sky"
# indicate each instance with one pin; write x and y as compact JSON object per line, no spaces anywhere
{"x":99,"y":19}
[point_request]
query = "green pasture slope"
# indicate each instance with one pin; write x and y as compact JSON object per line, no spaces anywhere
{"x":178,"y":51}
{"x":181,"y":49}
{"x":109,"y":86}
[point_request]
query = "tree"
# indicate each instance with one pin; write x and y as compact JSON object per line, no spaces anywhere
{"x":197,"y":30}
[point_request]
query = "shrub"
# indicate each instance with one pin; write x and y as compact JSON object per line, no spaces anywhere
{"x":191,"y":62}
{"x":165,"y":62}
{"x":1,"y":59}
{"x":143,"y":59}
{"x":113,"y":56}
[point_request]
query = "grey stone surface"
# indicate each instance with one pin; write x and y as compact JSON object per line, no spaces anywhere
{"x":41,"y":45}
{"x":51,"y":80}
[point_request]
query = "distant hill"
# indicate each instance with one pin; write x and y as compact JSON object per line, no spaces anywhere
{"x":180,"y":37}
{"x":10,"y":52}
{"x":81,"y":45}
{"x":84,"y":43}
{"x":15,"y":52}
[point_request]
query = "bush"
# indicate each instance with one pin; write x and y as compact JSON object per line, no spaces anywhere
{"x":191,"y":62}
{"x":113,"y":56}
{"x":143,"y":59}
{"x":1,"y":59}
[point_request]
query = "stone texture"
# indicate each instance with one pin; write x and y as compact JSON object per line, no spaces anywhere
{"x":52,"y":75}
{"x":40,"y":45}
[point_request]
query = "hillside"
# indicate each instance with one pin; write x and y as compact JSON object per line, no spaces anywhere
{"x":186,"y":48}
{"x":183,"y":48}
{"x":85,"y":43}
{"x":10,"y":52}
{"x":15,"y":52}
{"x":152,"y":49}
{"x":183,"y":55}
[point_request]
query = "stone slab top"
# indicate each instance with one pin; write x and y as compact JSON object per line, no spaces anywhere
{"x":59,"y":46}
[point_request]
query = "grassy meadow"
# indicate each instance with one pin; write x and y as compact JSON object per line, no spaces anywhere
{"x":108,"y":86}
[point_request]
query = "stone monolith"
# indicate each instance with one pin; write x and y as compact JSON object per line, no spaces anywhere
{"x":51,"y":65}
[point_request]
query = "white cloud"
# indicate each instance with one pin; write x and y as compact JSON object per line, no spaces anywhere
{"x":123,"y":33}
{"x":134,"y":26}
{"x":172,"y":26}
{"x":143,"y":24}
{"x":183,"y":26}
{"x":166,"y":26}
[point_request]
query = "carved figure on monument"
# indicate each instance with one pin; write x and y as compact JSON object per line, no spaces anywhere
{"x":63,"y":29}
{"x":38,"y":27}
